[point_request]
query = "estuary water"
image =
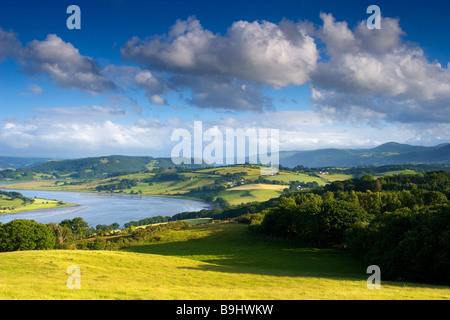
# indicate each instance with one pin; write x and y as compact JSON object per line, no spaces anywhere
{"x":103,"y":208}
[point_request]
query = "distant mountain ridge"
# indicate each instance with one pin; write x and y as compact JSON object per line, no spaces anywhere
{"x":20,"y":162}
{"x":390,"y":153}
{"x":92,"y":167}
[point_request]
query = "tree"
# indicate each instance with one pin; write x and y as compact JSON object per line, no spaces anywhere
{"x":22,"y":234}
{"x":408,"y":244}
{"x":63,"y":235}
{"x":78,"y":226}
{"x":336,"y":217}
{"x":98,"y":244}
{"x":222,"y":203}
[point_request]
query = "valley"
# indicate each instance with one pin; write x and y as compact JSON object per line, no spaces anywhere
{"x":253,"y":243}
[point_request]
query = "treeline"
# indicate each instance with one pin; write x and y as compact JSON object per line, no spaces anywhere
{"x":400,"y":223}
{"x":120,"y":185}
{"x":433,"y":180}
{"x":228,"y":212}
{"x":24,"y":234}
{"x":360,"y":171}
{"x":406,"y":232}
{"x":146,"y":221}
{"x":94,"y":167}
{"x":166,"y":176}
{"x":16,"y":195}
{"x":144,"y":234}
{"x":19,"y":174}
{"x":11,"y":196}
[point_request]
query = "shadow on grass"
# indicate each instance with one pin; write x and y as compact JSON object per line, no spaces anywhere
{"x":232,"y":248}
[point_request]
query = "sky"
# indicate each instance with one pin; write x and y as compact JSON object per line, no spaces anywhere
{"x":138,"y":70}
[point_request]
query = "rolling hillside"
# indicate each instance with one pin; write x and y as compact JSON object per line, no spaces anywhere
{"x":387,"y":154}
{"x":206,"y":262}
{"x":20,"y":162}
{"x":89,"y":168}
{"x":98,"y":167}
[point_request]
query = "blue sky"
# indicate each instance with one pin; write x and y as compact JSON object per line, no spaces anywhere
{"x":137,"y":70}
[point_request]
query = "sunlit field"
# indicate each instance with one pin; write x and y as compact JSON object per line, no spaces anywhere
{"x":213,"y":261}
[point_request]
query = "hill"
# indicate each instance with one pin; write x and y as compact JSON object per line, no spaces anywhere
{"x":20,"y":162}
{"x":95,"y":166}
{"x":232,"y":185}
{"x":391,"y":153}
{"x":89,"y":168}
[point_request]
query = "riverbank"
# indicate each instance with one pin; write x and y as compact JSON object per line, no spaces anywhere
{"x":221,"y":261}
{"x":103,"y":208}
{"x":50,"y":185}
{"x":37,"y":205}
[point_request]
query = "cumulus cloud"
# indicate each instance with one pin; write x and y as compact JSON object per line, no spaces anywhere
{"x":257,"y":51}
{"x":375,"y":75}
{"x":154,"y":86}
{"x":60,"y":61}
{"x":223,"y":93}
{"x":363,"y":76}
{"x":96,"y":130}
{"x":308,"y":130}
{"x":83,"y":130}
{"x":64,"y":65}
{"x":337,"y":36}
{"x":216,"y":67}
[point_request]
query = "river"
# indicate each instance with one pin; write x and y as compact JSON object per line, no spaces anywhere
{"x":103,"y":208}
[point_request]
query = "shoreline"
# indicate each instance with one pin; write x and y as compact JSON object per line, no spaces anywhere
{"x":15,"y":186}
{"x":66,"y":205}
{"x":94,"y":192}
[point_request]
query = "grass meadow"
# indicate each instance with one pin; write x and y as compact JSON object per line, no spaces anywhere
{"x":217,"y":261}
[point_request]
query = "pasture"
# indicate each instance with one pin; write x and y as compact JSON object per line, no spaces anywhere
{"x":213,"y":261}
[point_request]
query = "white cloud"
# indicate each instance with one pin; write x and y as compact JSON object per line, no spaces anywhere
{"x":336,"y":35}
{"x":377,"y":76}
{"x":79,"y":114}
{"x":223,"y":93}
{"x":257,"y":51}
{"x":385,"y":87}
{"x":63,"y":64}
{"x":217,"y":68}
{"x":81,"y":131}
{"x":67,"y":133}
{"x":308,"y":130}
{"x":9,"y":44}
{"x":34,"y":88}
{"x":154,"y":86}
{"x":158,"y":100}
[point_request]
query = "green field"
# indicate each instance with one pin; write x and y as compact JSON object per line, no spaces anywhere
{"x":397,"y":172}
{"x":289,"y":176}
{"x":336,"y":177}
{"x":8,"y":206}
{"x":251,"y":193}
{"x":195,"y":179}
{"x":213,"y":261}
